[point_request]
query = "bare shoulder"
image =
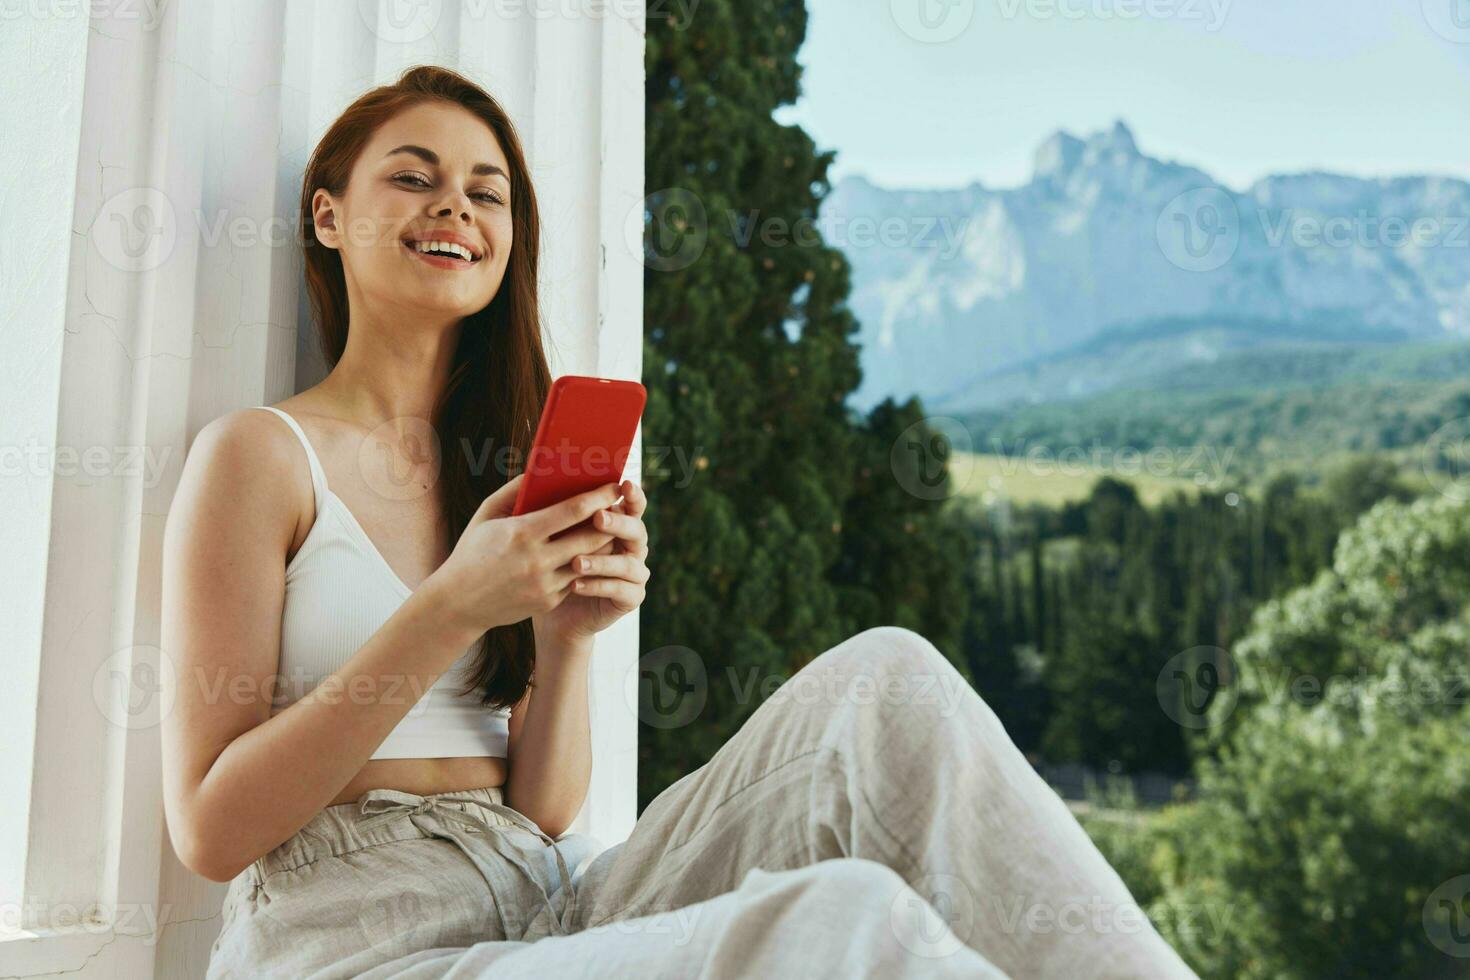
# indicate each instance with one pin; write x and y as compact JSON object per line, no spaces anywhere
{"x":245,"y":466}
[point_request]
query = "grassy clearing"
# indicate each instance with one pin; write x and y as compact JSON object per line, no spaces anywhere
{"x":991,"y":478}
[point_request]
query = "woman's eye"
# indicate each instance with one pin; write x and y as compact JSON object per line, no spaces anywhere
{"x":417,"y":180}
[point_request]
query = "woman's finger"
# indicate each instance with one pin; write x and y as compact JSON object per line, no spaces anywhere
{"x":624,"y":595}
{"x":625,"y":527}
{"x":635,"y":501}
{"x":624,"y":566}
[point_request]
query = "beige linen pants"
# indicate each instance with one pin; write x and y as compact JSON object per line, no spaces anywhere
{"x":870,"y":819}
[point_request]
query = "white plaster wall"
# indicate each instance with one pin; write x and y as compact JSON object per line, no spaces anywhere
{"x":160,"y":129}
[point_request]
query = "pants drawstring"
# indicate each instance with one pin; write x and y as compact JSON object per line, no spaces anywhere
{"x":429,"y":815}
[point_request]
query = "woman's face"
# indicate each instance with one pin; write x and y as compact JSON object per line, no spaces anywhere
{"x":433,"y":172}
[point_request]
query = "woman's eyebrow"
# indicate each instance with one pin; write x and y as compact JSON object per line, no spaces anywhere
{"x":432,"y":158}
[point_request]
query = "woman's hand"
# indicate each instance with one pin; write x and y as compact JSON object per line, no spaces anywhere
{"x":504,"y":569}
{"x":611,"y":584}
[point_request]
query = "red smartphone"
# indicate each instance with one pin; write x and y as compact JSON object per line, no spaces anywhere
{"x":582,"y":441}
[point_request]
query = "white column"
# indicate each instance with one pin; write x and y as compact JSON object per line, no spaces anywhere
{"x":171,"y":144}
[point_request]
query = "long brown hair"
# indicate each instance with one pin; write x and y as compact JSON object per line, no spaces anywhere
{"x":500,"y":378}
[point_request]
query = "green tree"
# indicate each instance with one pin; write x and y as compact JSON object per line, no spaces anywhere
{"x":762,"y":555}
{"x":1328,"y":838}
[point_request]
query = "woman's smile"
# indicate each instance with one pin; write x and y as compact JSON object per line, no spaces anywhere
{"x":444,"y":250}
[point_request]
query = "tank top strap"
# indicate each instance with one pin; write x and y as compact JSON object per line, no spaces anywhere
{"x":318,"y":475}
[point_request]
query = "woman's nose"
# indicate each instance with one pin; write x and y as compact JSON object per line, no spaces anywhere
{"x":458,"y":203}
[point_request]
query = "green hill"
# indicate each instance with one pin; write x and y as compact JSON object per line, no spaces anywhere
{"x":1250,"y":429}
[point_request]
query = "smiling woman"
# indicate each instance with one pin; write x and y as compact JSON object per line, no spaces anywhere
{"x":169,"y":296}
{"x":383,"y":612}
{"x":402,"y":809}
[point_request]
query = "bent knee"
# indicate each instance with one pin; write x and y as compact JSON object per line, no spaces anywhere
{"x":910,"y":669}
{"x":853,"y":877}
{"x":897,"y":649}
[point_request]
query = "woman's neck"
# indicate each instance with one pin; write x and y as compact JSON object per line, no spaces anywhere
{"x":387,"y":373}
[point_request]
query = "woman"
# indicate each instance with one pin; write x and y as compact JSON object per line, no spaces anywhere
{"x":361,"y":653}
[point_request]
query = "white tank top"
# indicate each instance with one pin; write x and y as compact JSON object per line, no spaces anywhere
{"x":339,"y":591}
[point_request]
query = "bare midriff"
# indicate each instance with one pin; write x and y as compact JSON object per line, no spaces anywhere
{"x":424,"y":777}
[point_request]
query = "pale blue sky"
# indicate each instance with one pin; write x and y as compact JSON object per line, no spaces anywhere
{"x":1239,"y":88}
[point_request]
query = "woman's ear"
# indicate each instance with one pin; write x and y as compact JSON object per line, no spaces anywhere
{"x":325,"y":219}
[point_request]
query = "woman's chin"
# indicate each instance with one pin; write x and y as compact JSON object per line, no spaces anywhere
{"x":440,"y":302}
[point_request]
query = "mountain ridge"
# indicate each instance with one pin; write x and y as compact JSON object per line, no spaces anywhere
{"x":1105,"y":236}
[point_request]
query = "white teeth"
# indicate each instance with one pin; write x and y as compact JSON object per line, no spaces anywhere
{"x":436,"y":246}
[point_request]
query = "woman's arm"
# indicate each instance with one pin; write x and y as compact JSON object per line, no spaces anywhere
{"x":550,"y":753}
{"x":550,"y":771}
{"x":238,"y":782}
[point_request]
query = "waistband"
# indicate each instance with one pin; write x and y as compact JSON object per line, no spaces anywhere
{"x":348,"y":827}
{"x":381,"y":816}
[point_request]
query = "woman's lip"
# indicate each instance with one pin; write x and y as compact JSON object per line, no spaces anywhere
{"x":439,"y":261}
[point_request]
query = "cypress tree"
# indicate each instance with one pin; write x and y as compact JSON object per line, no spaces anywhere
{"x":762,"y":557}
